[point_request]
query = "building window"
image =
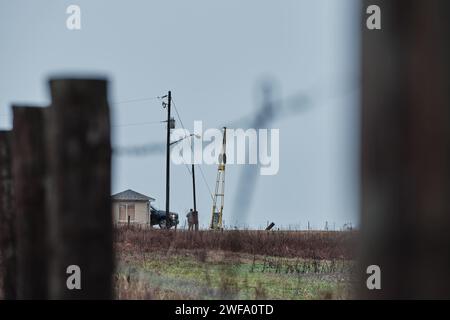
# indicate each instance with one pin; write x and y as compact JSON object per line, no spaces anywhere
{"x":122,"y":212}
{"x":125,"y":211}
{"x":130,"y":212}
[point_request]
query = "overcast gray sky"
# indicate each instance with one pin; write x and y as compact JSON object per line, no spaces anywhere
{"x":213,"y":55}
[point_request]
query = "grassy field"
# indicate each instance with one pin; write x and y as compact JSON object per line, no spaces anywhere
{"x":155,"y":264}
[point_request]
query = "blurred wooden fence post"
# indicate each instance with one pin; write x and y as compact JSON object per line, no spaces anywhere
{"x":406,"y":150}
{"x":80,"y":182}
{"x":29,"y":172}
{"x":7,"y":220}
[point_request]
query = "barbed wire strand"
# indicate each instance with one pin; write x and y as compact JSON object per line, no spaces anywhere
{"x":135,"y":100}
{"x":137,"y":124}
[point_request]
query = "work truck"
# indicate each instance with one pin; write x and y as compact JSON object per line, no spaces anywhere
{"x":158,"y":217}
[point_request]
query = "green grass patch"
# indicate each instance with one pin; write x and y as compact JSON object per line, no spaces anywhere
{"x":207,"y":276}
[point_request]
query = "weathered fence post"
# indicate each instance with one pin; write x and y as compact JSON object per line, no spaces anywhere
{"x":7,"y":220}
{"x":29,"y":173}
{"x":406,"y":151}
{"x":80,"y":183}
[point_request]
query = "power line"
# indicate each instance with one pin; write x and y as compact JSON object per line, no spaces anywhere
{"x":282,"y":108}
{"x":187,"y":167}
{"x":201,"y":170}
{"x":206,"y":182}
{"x":178,"y":115}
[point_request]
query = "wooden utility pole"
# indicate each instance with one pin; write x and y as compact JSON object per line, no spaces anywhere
{"x":193,"y":188}
{"x":195,"y":213}
{"x":7,"y":220}
{"x":406,"y":150}
{"x":169,"y":102}
{"x":29,"y":171}
{"x":80,"y":189}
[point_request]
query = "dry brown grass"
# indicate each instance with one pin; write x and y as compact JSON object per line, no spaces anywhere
{"x":162,"y":264}
{"x":300,"y":254}
{"x":320,"y":245}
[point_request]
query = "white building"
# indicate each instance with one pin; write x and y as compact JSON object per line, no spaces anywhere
{"x":131,"y":204}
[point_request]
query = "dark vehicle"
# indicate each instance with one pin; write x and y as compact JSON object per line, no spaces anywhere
{"x":158,"y":217}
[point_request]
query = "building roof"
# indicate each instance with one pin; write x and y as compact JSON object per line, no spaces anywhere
{"x":130,"y":195}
